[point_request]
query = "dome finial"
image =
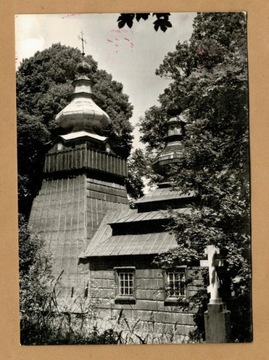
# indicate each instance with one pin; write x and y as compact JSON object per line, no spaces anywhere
{"x":83,"y":42}
{"x":83,"y":68}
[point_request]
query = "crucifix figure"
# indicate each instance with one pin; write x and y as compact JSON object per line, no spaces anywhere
{"x":83,"y":42}
{"x":212,"y":263}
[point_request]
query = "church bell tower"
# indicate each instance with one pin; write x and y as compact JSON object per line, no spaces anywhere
{"x":82,"y":180}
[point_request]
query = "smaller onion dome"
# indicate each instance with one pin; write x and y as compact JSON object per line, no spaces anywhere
{"x":83,"y":68}
{"x":82,"y":113}
{"x":172,"y":153}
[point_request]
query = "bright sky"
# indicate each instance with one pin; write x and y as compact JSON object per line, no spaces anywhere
{"x":131,"y":56}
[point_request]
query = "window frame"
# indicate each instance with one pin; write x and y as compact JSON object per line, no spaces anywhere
{"x":120,"y":296}
{"x":177,"y":299}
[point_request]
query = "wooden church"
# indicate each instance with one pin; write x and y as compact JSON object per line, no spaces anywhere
{"x":102,"y":250}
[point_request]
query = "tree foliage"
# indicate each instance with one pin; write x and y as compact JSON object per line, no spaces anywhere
{"x":209,"y":82}
{"x":162,"y":20}
{"x":44,"y":88}
{"x":36,"y":290}
{"x":136,"y":167}
{"x":139,"y":173}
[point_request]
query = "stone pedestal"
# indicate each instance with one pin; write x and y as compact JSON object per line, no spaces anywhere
{"x":217,"y":323}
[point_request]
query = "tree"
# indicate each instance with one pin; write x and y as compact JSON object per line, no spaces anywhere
{"x":44,"y":88}
{"x":32,"y":137}
{"x":139,"y":172}
{"x":209,"y":82}
{"x":36,"y":290}
{"x":162,"y":22}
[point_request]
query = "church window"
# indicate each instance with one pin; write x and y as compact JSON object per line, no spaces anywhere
{"x":175,"y":285}
{"x":125,"y":284}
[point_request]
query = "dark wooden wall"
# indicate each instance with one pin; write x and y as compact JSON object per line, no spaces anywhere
{"x":81,"y":157}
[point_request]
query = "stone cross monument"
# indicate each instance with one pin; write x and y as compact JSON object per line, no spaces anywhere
{"x":217,"y":317}
{"x":213,"y":262}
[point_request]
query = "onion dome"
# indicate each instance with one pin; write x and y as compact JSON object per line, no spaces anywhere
{"x":83,"y":68}
{"x":172,"y":153}
{"x":82,"y":114}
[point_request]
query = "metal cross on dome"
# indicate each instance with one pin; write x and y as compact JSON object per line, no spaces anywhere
{"x":83,"y":41}
{"x":212,"y":263}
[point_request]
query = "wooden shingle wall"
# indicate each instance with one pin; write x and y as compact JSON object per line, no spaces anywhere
{"x":66,"y":214}
{"x":58,"y":215}
{"x":103,"y":196}
{"x":149,"y":313}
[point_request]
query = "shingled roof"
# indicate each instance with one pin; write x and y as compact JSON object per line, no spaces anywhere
{"x":135,"y":237}
{"x":131,"y":244}
{"x":164,"y":194}
{"x":143,"y":231}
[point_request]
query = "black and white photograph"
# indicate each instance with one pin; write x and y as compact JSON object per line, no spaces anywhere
{"x":133,"y":160}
